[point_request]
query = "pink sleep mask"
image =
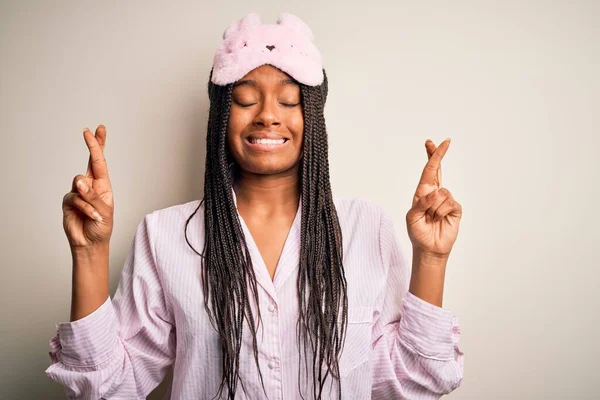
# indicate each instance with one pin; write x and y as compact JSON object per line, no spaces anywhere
{"x":287,"y":45}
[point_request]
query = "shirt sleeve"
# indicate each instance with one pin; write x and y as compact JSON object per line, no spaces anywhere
{"x":415,"y":343}
{"x":124,"y":348}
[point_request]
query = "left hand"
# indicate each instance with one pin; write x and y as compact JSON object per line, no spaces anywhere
{"x":433,"y":220}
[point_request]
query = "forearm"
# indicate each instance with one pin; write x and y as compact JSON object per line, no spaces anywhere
{"x":421,"y":351}
{"x":90,"y":287}
{"x":427,"y":277}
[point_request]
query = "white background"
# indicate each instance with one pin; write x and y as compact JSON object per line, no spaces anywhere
{"x":514,"y":83}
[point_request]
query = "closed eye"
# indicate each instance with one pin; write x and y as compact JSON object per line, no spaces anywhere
{"x":244,"y":105}
{"x":290,"y":105}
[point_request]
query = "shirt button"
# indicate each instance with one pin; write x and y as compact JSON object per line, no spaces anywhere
{"x":271,"y":308}
{"x":271,"y":364}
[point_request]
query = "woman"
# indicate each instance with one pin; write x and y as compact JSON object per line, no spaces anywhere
{"x":305,"y":295}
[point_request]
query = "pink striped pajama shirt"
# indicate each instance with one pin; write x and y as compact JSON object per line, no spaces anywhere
{"x":398,"y":346}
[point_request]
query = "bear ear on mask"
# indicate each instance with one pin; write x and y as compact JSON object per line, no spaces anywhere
{"x":251,"y":19}
{"x":293,"y":22}
{"x":288,"y":45}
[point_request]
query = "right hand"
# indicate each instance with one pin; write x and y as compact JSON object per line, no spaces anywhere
{"x":83,"y":230}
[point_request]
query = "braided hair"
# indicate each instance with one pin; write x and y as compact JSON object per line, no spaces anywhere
{"x":227,"y":273}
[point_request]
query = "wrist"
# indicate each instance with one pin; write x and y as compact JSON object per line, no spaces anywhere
{"x":90,"y":279}
{"x":427,"y":277}
{"x":93,"y":250}
{"x":428,"y":259}
{"x":94,"y":255}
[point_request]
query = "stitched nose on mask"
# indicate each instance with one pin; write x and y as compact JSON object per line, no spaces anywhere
{"x":270,"y":47}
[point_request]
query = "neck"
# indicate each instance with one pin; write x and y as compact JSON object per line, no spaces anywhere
{"x":265,"y":196}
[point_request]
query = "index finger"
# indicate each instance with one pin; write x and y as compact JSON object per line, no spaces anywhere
{"x":101,"y":138}
{"x":430,"y":172}
{"x":430,"y":147}
{"x":98,"y":162}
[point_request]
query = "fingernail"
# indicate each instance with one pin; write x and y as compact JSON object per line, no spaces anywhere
{"x":448,"y":139}
{"x":97,"y":216}
{"x":83,"y":186}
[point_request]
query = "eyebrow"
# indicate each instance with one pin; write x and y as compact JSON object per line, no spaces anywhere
{"x":244,"y":82}
{"x":250,"y":82}
{"x":288,"y":82}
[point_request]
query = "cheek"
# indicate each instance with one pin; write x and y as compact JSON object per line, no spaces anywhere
{"x":235,"y":126}
{"x":236,"y":122}
{"x":296,"y":125}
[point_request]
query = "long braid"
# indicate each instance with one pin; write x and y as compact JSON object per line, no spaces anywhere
{"x":228,"y":278}
{"x":321,"y":270}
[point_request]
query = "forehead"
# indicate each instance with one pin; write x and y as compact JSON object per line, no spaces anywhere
{"x":266,"y":75}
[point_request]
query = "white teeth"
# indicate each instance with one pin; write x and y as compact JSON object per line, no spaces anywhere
{"x":267,"y":141}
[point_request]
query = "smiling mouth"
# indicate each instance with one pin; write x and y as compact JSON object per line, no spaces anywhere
{"x":267,"y":142}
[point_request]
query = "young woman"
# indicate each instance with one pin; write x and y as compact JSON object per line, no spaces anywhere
{"x":269,"y":287}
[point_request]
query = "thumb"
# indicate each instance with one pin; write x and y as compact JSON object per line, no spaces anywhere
{"x":421,"y":206}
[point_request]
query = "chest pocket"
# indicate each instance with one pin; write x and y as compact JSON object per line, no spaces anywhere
{"x":357,"y":347}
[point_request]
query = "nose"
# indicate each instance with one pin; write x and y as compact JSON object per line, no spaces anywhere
{"x":267,"y":115}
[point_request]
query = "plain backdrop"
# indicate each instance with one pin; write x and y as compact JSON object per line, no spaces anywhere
{"x":515,"y":84}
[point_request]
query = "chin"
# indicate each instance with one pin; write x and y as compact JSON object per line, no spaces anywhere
{"x":267,"y":167}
